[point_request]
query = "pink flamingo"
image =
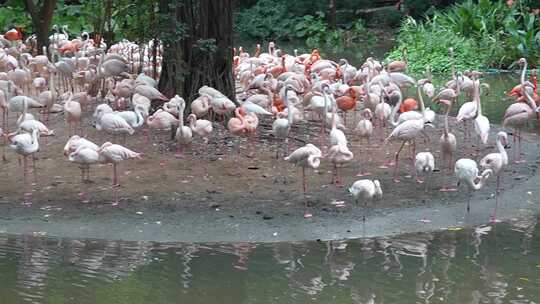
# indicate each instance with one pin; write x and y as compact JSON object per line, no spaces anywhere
{"x":112,"y":153}
{"x":308,"y":156}
{"x":201,"y":127}
{"x":519,"y":114}
{"x":237,"y":125}
{"x":73,"y":111}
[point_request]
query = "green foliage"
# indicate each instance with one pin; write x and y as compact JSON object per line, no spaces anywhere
{"x":428,"y":45}
{"x":483,"y":33}
{"x":12,"y":14}
{"x":266,"y":20}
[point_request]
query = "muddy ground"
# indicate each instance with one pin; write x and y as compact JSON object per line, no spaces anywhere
{"x":215,"y":194}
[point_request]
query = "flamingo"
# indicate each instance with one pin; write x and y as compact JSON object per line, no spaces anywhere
{"x":367,"y":190}
{"x":281,"y":127}
{"x":337,"y":137}
{"x":113,"y":153}
{"x":73,"y":111}
{"x":497,"y":162}
{"x":399,"y":65}
{"x":113,"y":123}
{"x":448,"y":143}
{"x":308,"y":156}
{"x":364,"y":130}
{"x":75,"y":142}
{"x":424,"y":163}
{"x":339,"y":154}
{"x":184,"y":134}
{"x":467,"y":112}
{"x":237,"y":125}
{"x":407,"y":131}
{"x":201,"y":105}
{"x":519,"y":114}
{"x":26,"y":145}
{"x":85,"y":156}
{"x":481,"y":122}
{"x":466,"y":171}
{"x":347,"y":102}
{"x":201,"y":127}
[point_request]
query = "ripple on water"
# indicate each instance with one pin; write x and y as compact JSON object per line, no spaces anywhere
{"x":498,"y":265}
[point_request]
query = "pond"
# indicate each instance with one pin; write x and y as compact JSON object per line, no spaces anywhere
{"x":490,"y":264}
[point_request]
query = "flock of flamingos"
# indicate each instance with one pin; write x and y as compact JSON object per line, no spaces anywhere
{"x":75,"y":76}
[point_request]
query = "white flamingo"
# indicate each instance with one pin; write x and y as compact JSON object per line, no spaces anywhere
{"x":183,"y":135}
{"x":308,"y":156}
{"x":26,"y":145}
{"x":424,"y":163}
{"x":497,"y":162}
{"x":367,"y":190}
{"x":466,"y":171}
{"x":281,"y":127}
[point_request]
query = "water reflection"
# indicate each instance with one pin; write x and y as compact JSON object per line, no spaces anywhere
{"x":491,"y":264}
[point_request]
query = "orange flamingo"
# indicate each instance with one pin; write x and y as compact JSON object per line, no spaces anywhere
{"x":347,"y":102}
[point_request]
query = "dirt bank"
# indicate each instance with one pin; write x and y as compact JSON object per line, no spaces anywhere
{"x":216,"y":195}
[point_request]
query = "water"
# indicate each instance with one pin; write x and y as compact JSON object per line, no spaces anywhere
{"x":501,"y":265}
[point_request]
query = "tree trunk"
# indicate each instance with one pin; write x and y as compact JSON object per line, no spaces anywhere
{"x":332,"y":20}
{"x":41,"y":21}
{"x":204,"y":55}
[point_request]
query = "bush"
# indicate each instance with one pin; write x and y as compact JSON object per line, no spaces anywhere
{"x":484,"y":34}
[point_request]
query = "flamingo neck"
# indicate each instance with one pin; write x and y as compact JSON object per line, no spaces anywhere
{"x":289,"y":108}
{"x":421,"y":99}
{"x":447,"y":112}
{"x":523,"y":71}
{"x":502,"y":151}
{"x":393,"y":119}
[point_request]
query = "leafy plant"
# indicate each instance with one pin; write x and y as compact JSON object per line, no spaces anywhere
{"x":492,"y":34}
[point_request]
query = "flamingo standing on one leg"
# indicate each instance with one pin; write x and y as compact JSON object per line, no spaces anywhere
{"x":282,"y":126}
{"x":237,"y":125}
{"x":112,"y":153}
{"x":367,"y":190}
{"x":448,"y":144}
{"x":73,"y":111}
{"x":308,"y":156}
{"x":497,"y":162}
{"x":364,"y":130}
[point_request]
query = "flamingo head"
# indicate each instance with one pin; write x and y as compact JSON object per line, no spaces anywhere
{"x":503,"y":137}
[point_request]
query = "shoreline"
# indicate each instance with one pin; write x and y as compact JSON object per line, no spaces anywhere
{"x":275,"y":213}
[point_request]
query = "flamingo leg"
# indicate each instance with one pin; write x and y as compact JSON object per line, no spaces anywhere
{"x":396,"y":166}
{"x":179,"y":151}
{"x":494,"y":216}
